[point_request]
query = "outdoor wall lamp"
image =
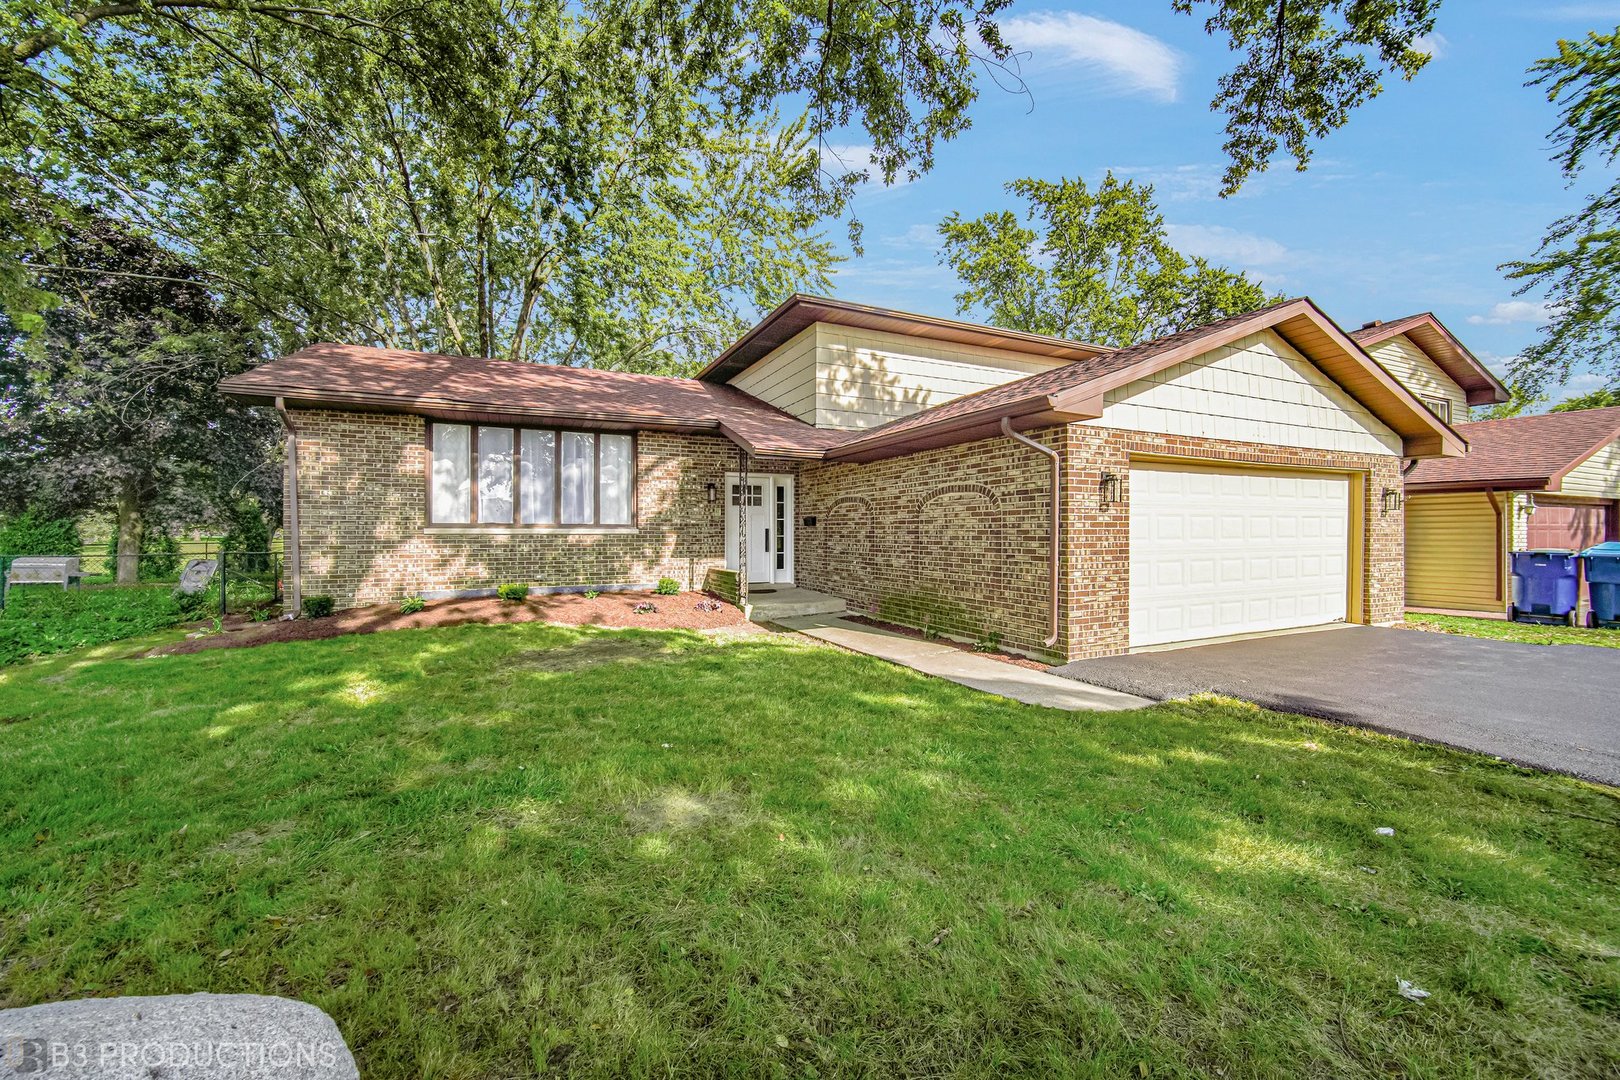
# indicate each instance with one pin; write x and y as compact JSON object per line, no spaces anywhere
{"x":1392,"y":500}
{"x":712,"y":490}
{"x":1109,"y":489}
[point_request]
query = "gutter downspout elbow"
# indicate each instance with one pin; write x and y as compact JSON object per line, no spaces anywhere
{"x":292,"y":507}
{"x":1057,"y":517}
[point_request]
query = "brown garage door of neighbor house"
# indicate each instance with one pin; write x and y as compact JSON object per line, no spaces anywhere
{"x":1572,"y":527}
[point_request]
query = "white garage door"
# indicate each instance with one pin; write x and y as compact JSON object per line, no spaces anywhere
{"x":1216,"y":553}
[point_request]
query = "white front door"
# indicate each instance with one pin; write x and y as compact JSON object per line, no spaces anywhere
{"x":770,"y":526}
{"x":1216,"y":552}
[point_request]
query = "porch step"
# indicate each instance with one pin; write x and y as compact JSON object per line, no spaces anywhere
{"x":790,"y":603}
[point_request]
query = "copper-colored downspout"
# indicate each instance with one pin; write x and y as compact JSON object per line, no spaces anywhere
{"x":1057,"y":516}
{"x":292,"y":506}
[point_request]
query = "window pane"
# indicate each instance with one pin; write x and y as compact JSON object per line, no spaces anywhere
{"x":495,"y":475}
{"x":578,"y":478}
{"x":538,"y":499}
{"x":452,"y":488}
{"x":617,"y":479}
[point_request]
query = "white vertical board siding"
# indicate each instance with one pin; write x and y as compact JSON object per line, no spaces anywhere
{"x":1216,"y":553}
{"x":786,"y":377}
{"x":1598,"y":475}
{"x":1259,"y":390}
{"x":865,"y":379}
{"x":1414,"y":370}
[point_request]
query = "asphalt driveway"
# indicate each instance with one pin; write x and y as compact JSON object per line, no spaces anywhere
{"x":1549,"y":706}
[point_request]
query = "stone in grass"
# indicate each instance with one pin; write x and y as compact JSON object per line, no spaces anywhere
{"x":176,"y":1037}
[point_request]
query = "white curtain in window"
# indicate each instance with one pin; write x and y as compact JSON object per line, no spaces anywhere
{"x":495,"y":475}
{"x":538,"y":499}
{"x":452,"y":486}
{"x":578,"y":478}
{"x":617,"y":478}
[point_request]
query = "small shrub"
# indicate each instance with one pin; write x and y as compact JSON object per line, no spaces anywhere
{"x":33,"y":533}
{"x":646,"y":607}
{"x":318,"y":607}
{"x":592,"y":594}
{"x":512,"y":591}
{"x":667,"y":586}
{"x":411,"y":605}
{"x":990,"y":641}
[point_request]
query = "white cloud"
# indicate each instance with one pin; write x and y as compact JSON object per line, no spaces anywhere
{"x":843,"y":158}
{"x":1435,"y":45}
{"x":1229,"y":247}
{"x":1117,"y":57}
{"x":916,"y":236}
{"x":1511,"y":311}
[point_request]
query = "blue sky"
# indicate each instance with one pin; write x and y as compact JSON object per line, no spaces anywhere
{"x":1410,"y":208}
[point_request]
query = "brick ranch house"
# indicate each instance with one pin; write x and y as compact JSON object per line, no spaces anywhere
{"x":1069,"y":500}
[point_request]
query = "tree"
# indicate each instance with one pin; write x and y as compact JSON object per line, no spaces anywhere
{"x":1578,"y":263}
{"x":1094,"y":266}
{"x":111,"y":402}
{"x":605,"y":182}
{"x":1607,"y":398}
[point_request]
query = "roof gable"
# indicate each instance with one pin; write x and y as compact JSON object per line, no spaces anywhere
{"x":1430,"y":335}
{"x":1078,"y":391}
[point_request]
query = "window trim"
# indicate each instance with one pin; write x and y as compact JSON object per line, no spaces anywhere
{"x":517,"y":524}
{"x":1435,"y":404}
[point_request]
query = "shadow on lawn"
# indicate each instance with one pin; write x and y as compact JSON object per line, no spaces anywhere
{"x":650,"y":850}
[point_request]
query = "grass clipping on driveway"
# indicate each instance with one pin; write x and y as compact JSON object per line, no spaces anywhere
{"x":491,"y":851}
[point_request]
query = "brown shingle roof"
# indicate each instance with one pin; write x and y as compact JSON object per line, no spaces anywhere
{"x":1522,"y":451}
{"x":435,"y":384}
{"x":1428,"y":333}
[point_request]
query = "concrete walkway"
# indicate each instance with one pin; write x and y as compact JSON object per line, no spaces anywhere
{"x":968,"y":669}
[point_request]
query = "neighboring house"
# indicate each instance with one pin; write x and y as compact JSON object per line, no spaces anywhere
{"x":1548,"y":481}
{"x":1062,"y":498}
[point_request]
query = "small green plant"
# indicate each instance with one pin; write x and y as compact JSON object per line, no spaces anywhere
{"x":592,"y":594}
{"x":667,"y":586}
{"x":990,"y":641}
{"x":318,"y":607}
{"x":411,"y":605}
{"x":512,"y":591}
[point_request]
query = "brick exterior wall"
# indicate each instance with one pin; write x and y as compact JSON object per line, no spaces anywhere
{"x":363,"y":503}
{"x":953,"y":539}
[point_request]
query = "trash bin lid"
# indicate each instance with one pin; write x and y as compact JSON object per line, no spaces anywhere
{"x":1545,"y":551}
{"x":1610,"y":549}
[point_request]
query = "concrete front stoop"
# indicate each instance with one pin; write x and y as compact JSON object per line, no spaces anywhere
{"x":773,"y":603}
{"x":964,"y":668}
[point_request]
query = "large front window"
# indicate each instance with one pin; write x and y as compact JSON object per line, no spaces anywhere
{"x":483,"y":475}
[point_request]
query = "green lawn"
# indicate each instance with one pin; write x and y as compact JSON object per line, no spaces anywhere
{"x":1502,"y":630}
{"x":490,"y":850}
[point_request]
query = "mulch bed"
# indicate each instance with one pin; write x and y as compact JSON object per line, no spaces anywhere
{"x":616,"y":610}
{"x":913,"y":632}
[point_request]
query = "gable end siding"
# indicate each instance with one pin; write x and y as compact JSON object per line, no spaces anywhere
{"x":1597,"y":476}
{"x":1414,"y":370}
{"x":786,"y":377}
{"x":1258,"y":390}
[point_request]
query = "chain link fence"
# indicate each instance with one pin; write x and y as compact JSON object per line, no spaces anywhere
{"x":243,"y":582}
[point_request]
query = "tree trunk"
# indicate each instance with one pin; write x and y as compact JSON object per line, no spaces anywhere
{"x":129,"y":532}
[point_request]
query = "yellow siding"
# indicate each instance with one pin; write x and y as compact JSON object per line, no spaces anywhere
{"x":1452,"y":552}
{"x":1258,"y":390}
{"x":1414,"y":370}
{"x":1597,"y":476}
{"x":786,"y":377}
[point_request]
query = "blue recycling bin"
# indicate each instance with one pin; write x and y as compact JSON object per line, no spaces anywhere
{"x":1602,"y":564}
{"x":1545,"y":586}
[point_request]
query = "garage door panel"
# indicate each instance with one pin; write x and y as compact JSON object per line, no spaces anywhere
{"x":1217,"y":553}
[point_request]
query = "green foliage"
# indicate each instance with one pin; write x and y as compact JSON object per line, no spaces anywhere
{"x":667,"y":586}
{"x":1094,"y":266}
{"x":1306,"y":64}
{"x":318,"y":607}
{"x":512,"y":591}
{"x":32,"y":532}
{"x":411,"y":605}
{"x":1607,"y":398}
{"x":1501,"y":630}
{"x":160,"y":555}
{"x":592,"y":594}
{"x":1578,"y":263}
{"x":247,"y":537}
{"x":43,"y":619}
